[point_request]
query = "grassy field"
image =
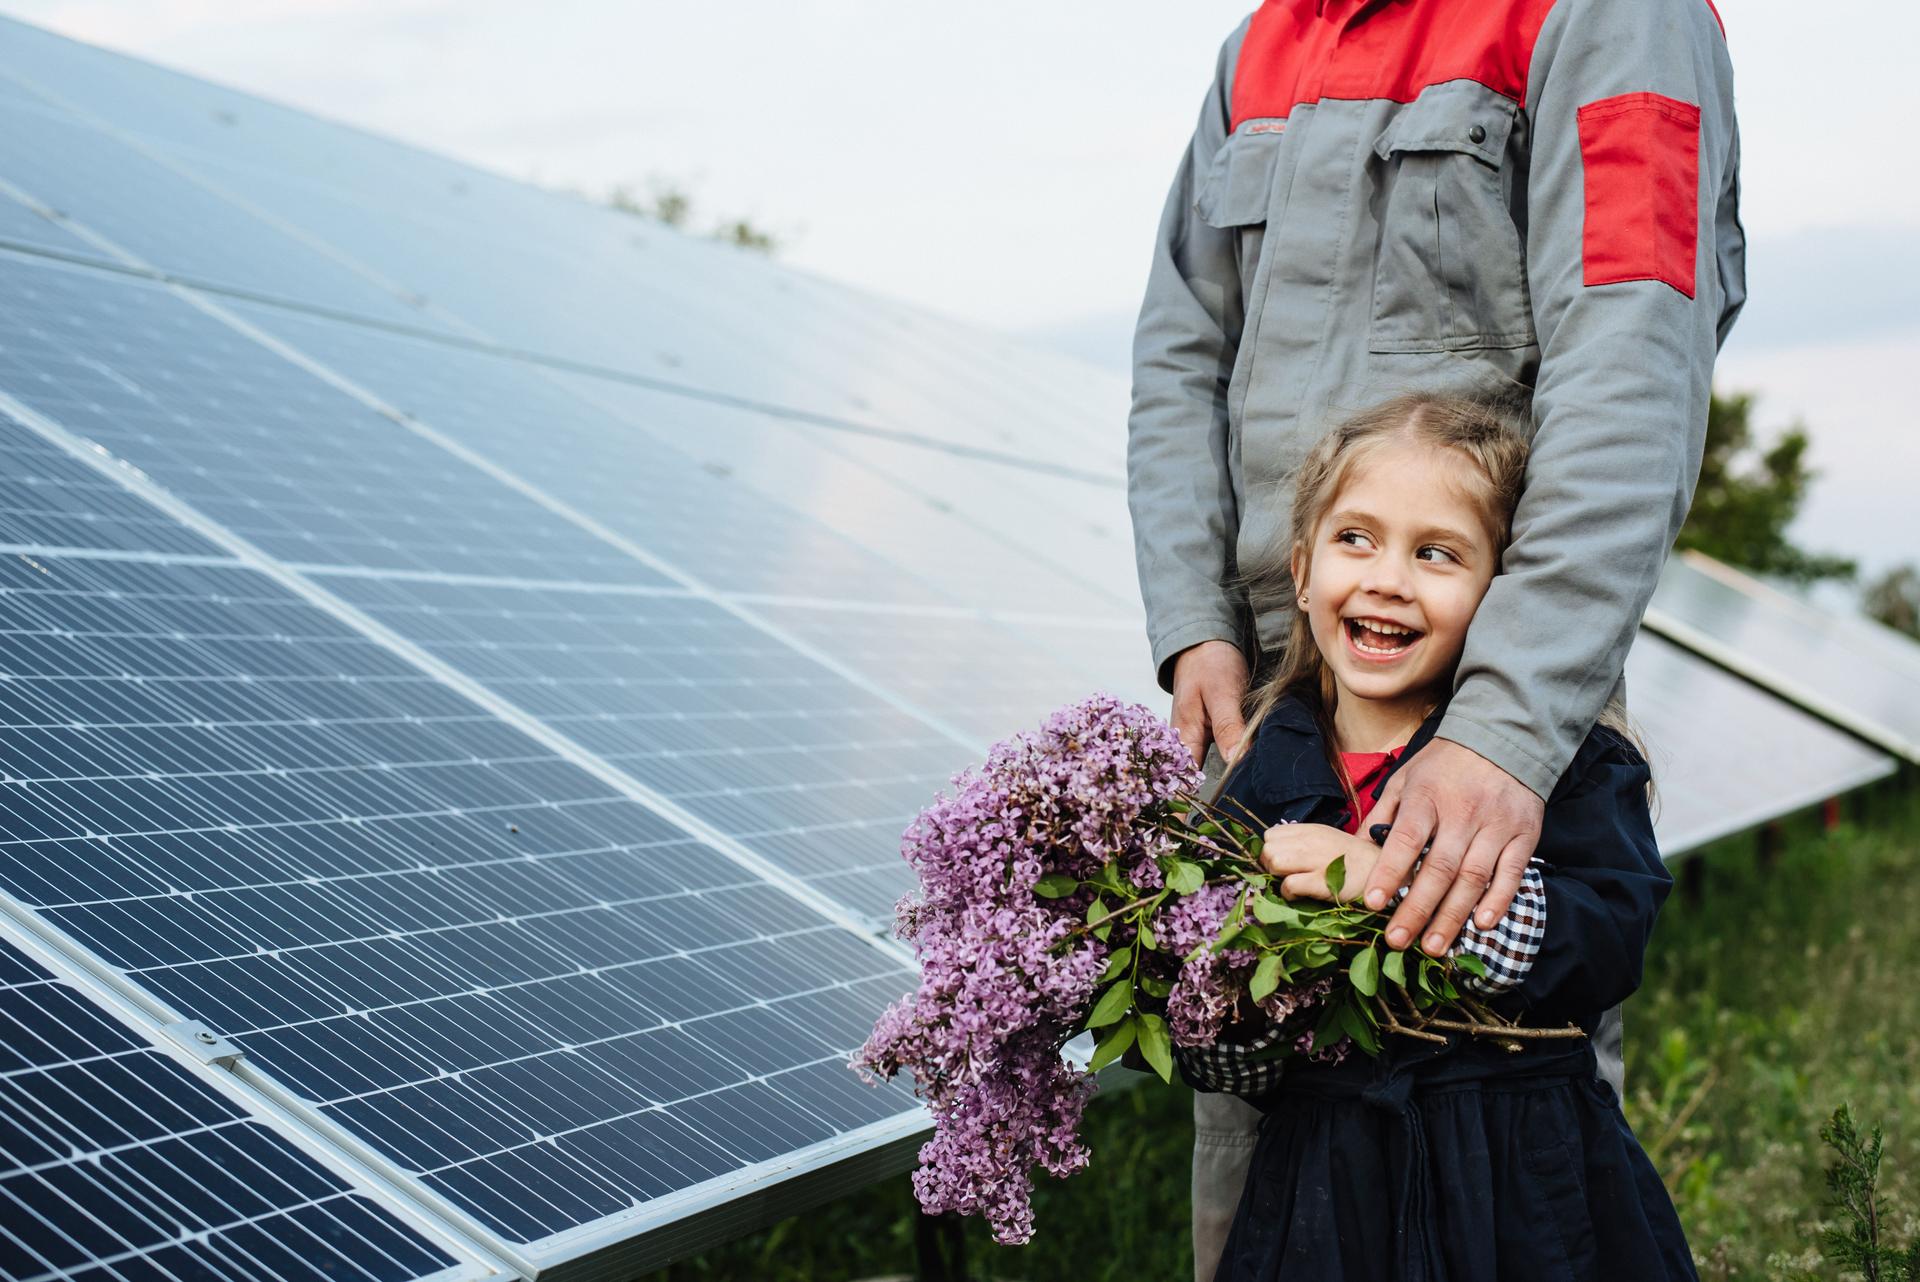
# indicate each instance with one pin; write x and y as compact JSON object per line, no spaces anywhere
{"x":1774,"y":995}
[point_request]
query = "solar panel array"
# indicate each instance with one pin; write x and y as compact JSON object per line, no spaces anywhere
{"x":471,"y":655}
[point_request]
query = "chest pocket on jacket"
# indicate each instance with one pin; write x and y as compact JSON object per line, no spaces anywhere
{"x":1239,"y":189}
{"x":1451,"y":272}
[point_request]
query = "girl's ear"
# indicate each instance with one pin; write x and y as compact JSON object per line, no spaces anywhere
{"x":1297,"y":566}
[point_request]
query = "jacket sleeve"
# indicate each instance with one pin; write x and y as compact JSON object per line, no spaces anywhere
{"x":1636,"y":269}
{"x":1179,"y":488}
{"x":1605,"y":882}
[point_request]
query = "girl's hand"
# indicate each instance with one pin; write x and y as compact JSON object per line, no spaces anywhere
{"x":1298,"y":854}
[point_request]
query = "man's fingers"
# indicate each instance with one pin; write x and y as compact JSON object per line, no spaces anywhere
{"x":1506,"y":881}
{"x":1389,"y":804}
{"x":1437,"y":867}
{"x":1411,"y":830}
{"x":1475,"y":875}
{"x":1223,"y":711}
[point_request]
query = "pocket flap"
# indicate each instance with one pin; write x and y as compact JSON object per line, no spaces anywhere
{"x":1457,"y":115}
{"x":1240,"y":181}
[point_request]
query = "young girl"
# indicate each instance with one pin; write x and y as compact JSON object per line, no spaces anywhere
{"x":1457,"y":1160}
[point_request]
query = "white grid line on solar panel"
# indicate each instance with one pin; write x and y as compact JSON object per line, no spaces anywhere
{"x":257,"y":444}
{"x":126,"y":202}
{"x":176,"y":953}
{"x":743,"y":501}
{"x":116,"y":1162}
{"x":732,"y":302}
{"x":709,"y":712}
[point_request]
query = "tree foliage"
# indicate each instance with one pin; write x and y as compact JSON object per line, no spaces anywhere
{"x":1749,"y":493}
{"x":1894,"y":599}
{"x":669,"y":203}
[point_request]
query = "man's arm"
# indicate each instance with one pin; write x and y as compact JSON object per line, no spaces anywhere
{"x":1635,"y":262}
{"x":1179,"y":489}
{"x":1631,"y":191}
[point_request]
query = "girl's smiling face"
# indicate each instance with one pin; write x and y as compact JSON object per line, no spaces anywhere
{"x":1395,"y":571}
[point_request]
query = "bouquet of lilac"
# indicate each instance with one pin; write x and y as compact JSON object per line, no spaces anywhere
{"x":1075,"y":882}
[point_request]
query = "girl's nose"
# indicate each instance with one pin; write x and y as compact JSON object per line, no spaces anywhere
{"x":1385,"y":576}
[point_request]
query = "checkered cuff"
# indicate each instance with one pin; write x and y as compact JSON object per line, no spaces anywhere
{"x":1232,"y":1068}
{"x":1508,"y":948}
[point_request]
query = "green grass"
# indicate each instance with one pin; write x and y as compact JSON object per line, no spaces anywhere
{"x":1776,"y":995}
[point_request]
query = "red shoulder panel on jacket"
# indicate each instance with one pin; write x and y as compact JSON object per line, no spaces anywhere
{"x":1299,"y":51}
{"x":1640,"y":158}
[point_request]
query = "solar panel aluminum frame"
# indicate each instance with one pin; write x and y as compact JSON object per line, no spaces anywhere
{"x":43,"y":943}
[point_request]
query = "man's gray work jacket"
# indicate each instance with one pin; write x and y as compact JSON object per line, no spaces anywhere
{"x":1460,"y":194}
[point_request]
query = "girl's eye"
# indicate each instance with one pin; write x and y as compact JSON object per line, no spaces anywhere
{"x":1342,"y":536}
{"x":1434,"y":547}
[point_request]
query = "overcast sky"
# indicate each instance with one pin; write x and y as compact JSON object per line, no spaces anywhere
{"x":1006,"y":162}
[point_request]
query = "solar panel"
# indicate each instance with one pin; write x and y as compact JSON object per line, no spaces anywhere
{"x":1847,"y":669}
{"x":1690,"y":711}
{"x":118,"y":1162}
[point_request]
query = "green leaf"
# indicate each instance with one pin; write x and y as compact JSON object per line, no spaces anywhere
{"x":1147,"y":940}
{"x":1185,"y":878}
{"x":1155,"y":986}
{"x":1056,"y":885}
{"x":1117,"y":964}
{"x":1275,"y":912}
{"x":1336,"y":876}
{"x":1113,"y":1045}
{"x":1364,"y":971}
{"x":1471,"y":964}
{"x":1113,"y":1004}
{"x":1395,"y":968}
{"x":1266,"y":978}
{"x":1355,"y":1025}
{"x":1156,"y":1046}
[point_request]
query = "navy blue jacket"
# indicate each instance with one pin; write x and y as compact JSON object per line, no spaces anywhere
{"x":1465,"y":1162}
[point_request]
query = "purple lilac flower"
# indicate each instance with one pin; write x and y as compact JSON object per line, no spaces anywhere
{"x":1005,"y":975}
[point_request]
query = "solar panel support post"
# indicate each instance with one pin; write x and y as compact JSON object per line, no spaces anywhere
{"x":939,"y":1248}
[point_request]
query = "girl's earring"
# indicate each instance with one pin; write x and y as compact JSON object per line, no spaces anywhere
{"x":1303,"y":598}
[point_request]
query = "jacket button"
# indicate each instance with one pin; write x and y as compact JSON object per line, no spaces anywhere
{"x":1476,"y":134}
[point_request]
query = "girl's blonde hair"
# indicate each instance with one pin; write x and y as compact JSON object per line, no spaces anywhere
{"x":1489,"y":432}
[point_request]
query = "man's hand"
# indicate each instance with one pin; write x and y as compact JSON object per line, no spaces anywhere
{"x":1209,"y":681}
{"x":1483,"y":825}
